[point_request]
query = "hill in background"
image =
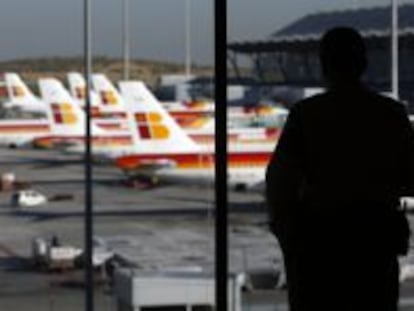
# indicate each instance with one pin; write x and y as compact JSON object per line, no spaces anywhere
{"x":145,"y":70}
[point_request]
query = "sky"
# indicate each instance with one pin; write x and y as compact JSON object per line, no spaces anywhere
{"x":42,"y":28}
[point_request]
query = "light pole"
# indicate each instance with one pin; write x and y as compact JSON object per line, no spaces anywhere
{"x":187,"y":37}
{"x":125,"y":38}
{"x":89,"y":297}
{"x":394,"y":49}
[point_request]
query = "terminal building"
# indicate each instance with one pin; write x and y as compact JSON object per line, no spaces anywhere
{"x":288,"y":59}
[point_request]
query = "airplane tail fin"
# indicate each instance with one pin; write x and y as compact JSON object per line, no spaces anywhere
{"x":77,"y":87}
{"x":110,"y":99}
{"x":153,"y":129}
{"x":65,"y":116}
{"x":21,"y":96}
{"x":17,"y":89}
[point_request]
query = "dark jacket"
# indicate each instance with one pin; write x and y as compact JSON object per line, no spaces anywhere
{"x":345,"y":153}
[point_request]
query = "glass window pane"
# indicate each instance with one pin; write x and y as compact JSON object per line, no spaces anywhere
{"x":41,"y":190}
{"x":154,"y":209}
{"x":274,"y":63}
{"x":153,"y":214}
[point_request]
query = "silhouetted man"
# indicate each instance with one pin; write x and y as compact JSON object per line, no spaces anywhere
{"x":344,"y":159}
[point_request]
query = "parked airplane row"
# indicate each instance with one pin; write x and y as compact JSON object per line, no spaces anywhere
{"x":132,"y":129}
{"x":107,"y":104}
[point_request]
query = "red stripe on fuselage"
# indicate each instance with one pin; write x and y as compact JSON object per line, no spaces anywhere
{"x":111,"y":126}
{"x":194,"y":160}
{"x":190,"y":114}
{"x":270,"y":137}
{"x":22,"y":128}
{"x":50,"y":141}
{"x":108,"y":115}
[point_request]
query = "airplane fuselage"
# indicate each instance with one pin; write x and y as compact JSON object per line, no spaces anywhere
{"x":20,"y":132}
{"x":246,"y":169}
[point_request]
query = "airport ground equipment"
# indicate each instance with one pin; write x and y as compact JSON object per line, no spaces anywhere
{"x":101,"y":254}
{"x":51,"y":255}
{"x":148,"y":290}
{"x":25,"y":198}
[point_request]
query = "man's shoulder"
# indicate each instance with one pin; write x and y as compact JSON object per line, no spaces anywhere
{"x":387,"y":103}
{"x":311,"y":102}
{"x":317,"y":98}
{"x":366,"y":97}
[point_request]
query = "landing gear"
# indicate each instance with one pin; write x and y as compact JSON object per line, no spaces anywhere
{"x":142,"y":181}
{"x":240,"y":187}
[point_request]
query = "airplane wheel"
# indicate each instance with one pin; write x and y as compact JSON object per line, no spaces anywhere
{"x":240,"y":187}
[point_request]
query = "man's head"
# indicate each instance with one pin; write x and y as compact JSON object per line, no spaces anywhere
{"x":343,"y":55}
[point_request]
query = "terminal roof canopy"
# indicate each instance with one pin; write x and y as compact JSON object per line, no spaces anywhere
{"x":373,"y":23}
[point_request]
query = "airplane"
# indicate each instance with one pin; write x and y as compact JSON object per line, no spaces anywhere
{"x":67,"y":121}
{"x":190,"y":114}
{"x":189,"y":106}
{"x":44,"y":133}
{"x":16,"y":133}
{"x":21,"y":132}
{"x":77,"y":88}
{"x":163,"y":149}
{"x":106,"y":120}
{"x":112,"y":104}
{"x":260,"y":115}
{"x":194,"y":114}
{"x":20,"y":97}
{"x":202,"y":129}
{"x":197,"y":120}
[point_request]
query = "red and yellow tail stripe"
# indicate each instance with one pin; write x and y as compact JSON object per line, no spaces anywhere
{"x":63,"y":113}
{"x":150,"y":126}
{"x":18,"y":91}
{"x":108,"y":98}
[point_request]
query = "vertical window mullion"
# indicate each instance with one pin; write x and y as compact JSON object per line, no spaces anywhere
{"x":89,"y":297}
{"x":220,"y":84}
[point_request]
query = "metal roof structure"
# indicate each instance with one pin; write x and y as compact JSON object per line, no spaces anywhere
{"x":373,"y":23}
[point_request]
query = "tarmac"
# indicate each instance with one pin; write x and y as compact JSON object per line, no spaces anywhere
{"x":166,"y":227}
